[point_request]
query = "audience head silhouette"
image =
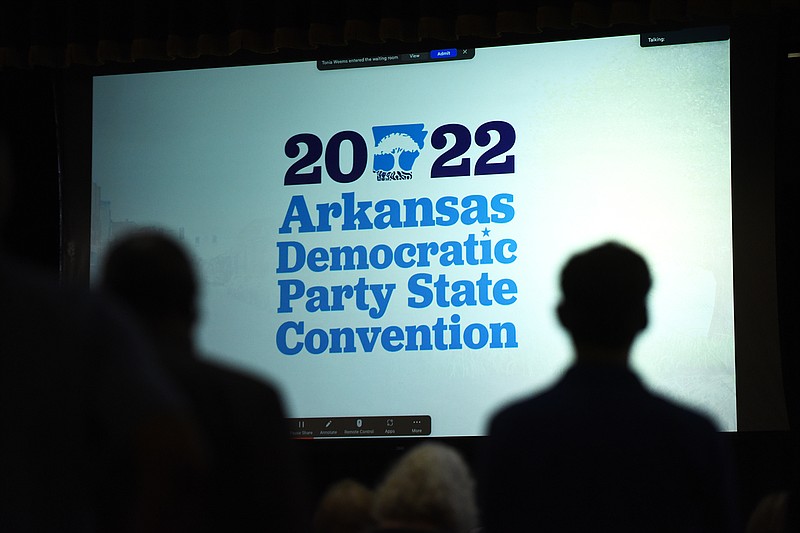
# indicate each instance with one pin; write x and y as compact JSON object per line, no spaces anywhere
{"x":346,"y":507}
{"x":431,"y":488}
{"x":604,"y":300}
{"x":597,"y":450}
{"x":153,"y":275}
{"x":248,"y":486}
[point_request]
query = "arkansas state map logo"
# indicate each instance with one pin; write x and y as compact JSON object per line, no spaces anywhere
{"x":396,"y":149}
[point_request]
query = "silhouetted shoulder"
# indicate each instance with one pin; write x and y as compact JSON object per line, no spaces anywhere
{"x":237,"y":392}
{"x":565,"y":458}
{"x":242,"y":417}
{"x":72,"y":332}
{"x":593,"y":395}
{"x":77,"y":386}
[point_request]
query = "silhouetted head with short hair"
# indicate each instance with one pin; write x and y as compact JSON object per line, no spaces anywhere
{"x":604,"y":298}
{"x":151,"y":273}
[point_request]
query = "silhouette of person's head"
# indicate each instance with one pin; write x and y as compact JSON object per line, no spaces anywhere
{"x":604,"y":298}
{"x":430,"y":488}
{"x":151,"y":274}
{"x":346,"y":507}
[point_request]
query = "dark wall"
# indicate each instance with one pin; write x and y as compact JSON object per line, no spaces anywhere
{"x":29,"y":119}
{"x":787,"y":196}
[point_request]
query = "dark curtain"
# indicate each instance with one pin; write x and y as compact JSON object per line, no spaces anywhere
{"x":31,"y":212}
{"x":53,"y":33}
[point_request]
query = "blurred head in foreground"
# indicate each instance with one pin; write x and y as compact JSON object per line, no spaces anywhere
{"x":430,"y":488}
{"x":346,"y":507}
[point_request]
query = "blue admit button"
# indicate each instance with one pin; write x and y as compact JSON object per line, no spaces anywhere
{"x":444,"y":53}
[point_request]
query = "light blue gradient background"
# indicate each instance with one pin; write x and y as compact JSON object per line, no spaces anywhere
{"x":613,"y":141}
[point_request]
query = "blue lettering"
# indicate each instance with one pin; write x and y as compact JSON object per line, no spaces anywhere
{"x":288,"y":263}
{"x":380,"y":256}
{"x":402,"y":251}
{"x":415,"y":332}
{"x":477,"y":210}
{"x":438,"y":336}
{"x":503,"y":288}
{"x":416,"y":286}
{"x":388,"y":214}
{"x":482,"y":291}
{"x":413,"y":205}
{"x":297,"y":212}
{"x":414,"y":212}
{"x":455,"y":332}
{"x":290,"y":289}
{"x":316,"y":341}
{"x":501,"y":246}
{"x":337,"y":334}
{"x":392,"y":339}
{"x":447,"y":208}
{"x":368,"y":337}
{"x":469,"y":336}
{"x":507,"y":330}
{"x":280,"y":338}
{"x":317,"y":260}
{"x":451,"y":254}
{"x":326,"y":211}
{"x":344,"y":258}
{"x":317,"y":299}
{"x":355,"y":217}
{"x":504,"y":211}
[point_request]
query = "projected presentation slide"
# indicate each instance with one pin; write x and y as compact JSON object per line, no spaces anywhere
{"x":382,"y":238}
